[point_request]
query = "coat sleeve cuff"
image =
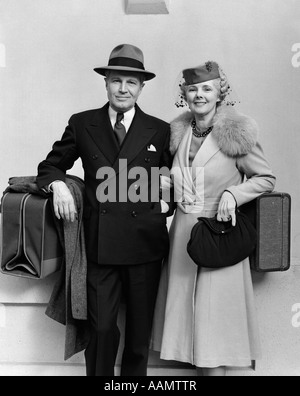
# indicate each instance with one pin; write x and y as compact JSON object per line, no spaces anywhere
{"x":227,"y":190}
{"x":235,"y":193}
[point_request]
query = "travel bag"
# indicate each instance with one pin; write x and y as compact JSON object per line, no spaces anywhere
{"x":271,"y":215}
{"x":30,"y":242}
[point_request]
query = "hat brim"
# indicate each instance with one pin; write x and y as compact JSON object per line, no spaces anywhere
{"x":102,"y":70}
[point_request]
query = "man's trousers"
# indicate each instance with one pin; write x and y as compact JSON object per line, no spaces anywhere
{"x":108,"y":286}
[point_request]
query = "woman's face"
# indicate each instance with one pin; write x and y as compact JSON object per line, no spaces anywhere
{"x":202,"y":98}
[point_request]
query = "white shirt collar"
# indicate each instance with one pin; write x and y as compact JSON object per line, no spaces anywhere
{"x":128,"y":117}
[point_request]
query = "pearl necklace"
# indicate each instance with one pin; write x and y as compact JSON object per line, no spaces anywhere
{"x":201,"y":134}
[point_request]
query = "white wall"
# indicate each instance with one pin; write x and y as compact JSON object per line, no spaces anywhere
{"x":48,"y":49}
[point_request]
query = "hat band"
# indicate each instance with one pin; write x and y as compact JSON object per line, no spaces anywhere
{"x":127,"y":62}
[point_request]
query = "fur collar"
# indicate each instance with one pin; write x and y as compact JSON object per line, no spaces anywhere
{"x":236,"y":133}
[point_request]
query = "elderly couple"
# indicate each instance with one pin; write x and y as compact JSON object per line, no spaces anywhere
{"x":199,"y":316}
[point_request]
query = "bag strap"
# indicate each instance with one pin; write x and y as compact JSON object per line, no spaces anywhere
{"x":11,"y":225}
{"x":218,"y":227}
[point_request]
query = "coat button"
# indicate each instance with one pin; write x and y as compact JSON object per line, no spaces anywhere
{"x":95,"y":157}
{"x":103,"y":212}
{"x":134,"y":214}
{"x":147,"y":160}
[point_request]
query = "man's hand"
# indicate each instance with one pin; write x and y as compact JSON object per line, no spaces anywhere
{"x":63,"y":201}
{"x":227,"y":208}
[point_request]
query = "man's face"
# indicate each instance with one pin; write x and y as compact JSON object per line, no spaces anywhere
{"x":123,"y":90}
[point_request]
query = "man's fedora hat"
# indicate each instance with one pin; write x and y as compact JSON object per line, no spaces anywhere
{"x":126,"y":57}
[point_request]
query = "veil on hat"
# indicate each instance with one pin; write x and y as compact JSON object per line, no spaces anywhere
{"x":228,"y":95}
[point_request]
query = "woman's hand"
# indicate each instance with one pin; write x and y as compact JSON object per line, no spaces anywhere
{"x":166,"y":183}
{"x":63,"y":201}
{"x":227,"y":208}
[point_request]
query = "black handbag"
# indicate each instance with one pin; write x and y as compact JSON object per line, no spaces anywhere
{"x":215,"y":244}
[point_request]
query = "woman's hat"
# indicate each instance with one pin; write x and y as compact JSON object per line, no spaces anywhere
{"x":208,"y":71}
{"x":126,"y":57}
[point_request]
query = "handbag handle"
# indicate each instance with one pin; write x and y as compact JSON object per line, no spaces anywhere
{"x":219,"y":227}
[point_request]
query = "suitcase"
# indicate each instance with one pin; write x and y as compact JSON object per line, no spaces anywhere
{"x":30,"y":242}
{"x":271,"y":215}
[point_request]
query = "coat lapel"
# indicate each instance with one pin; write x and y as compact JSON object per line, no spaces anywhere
{"x":139,"y":135}
{"x":101,"y":132}
{"x":187,"y":189}
{"x":181,"y":169}
{"x":208,"y":149}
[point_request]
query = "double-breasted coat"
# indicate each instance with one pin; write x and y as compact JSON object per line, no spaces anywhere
{"x":207,"y":317}
{"x":120,"y":232}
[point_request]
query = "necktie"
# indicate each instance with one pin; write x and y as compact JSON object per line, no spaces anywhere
{"x":119,"y":128}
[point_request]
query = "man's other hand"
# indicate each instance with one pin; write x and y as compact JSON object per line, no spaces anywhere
{"x":63,"y":201}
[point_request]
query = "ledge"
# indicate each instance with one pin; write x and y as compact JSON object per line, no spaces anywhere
{"x":151,"y":7}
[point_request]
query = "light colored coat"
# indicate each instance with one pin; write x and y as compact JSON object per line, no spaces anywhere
{"x":228,"y":155}
{"x":207,"y":317}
